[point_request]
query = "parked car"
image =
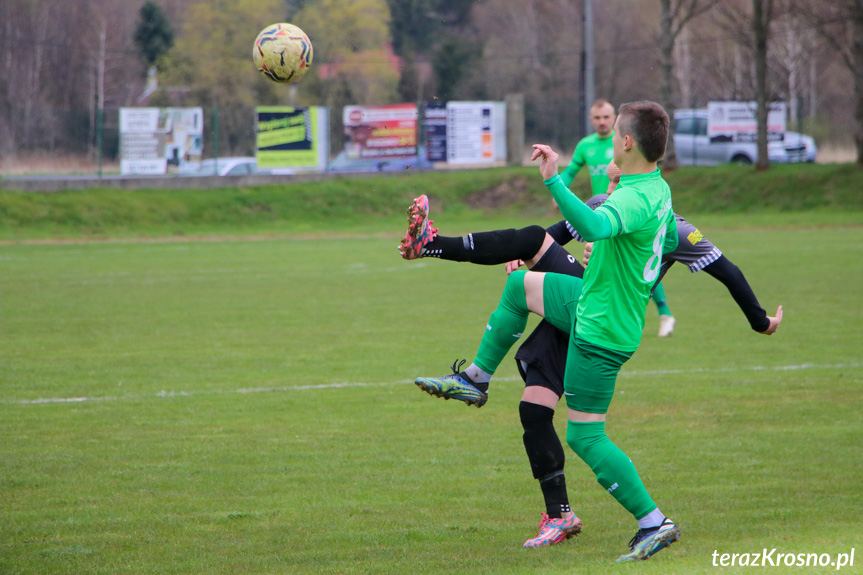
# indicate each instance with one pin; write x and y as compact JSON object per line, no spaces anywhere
{"x":342,"y":163}
{"x":694,"y":148}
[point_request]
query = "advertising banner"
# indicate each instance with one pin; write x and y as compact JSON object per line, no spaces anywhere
{"x":156,"y":141}
{"x":469,"y":136}
{"x":435,"y":127}
{"x":475,"y":132}
{"x":380,"y":131}
{"x":735,"y":121}
{"x":291,"y":137}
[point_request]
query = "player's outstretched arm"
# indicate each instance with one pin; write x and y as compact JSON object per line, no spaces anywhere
{"x":774,"y":322}
{"x":592,"y":226}
{"x":733,"y":279}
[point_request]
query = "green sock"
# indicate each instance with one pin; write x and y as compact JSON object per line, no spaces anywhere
{"x":613,"y":469}
{"x":659,"y":298}
{"x":505,"y":326}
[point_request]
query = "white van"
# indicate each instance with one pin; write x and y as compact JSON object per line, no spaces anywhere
{"x":694,"y":147}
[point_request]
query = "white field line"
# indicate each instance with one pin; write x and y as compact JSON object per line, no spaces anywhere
{"x":291,"y":388}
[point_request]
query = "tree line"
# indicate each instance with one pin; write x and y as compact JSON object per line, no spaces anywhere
{"x":64,"y":62}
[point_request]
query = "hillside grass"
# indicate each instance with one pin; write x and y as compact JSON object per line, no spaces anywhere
{"x":374,"y":205}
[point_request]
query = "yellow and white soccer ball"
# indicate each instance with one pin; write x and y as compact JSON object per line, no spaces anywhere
{"x":282,"y":52}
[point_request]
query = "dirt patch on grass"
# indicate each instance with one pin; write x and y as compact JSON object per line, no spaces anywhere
{"x":509,"y":193}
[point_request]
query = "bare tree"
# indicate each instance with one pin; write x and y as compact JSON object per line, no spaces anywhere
{"x":795,"y":49}
{"x":683,"y":68}
{"x":541,"y":54}
{"x":750,"y":28}
{"x":856,"y":8}
{"x":840,"y":24}
{"x":676,"y":14}
{"x":762,"y":13}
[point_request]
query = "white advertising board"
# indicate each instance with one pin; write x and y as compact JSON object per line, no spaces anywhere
{"x":475,"y":132}
{"x":156,"y":140}
{"x":735,"y":121}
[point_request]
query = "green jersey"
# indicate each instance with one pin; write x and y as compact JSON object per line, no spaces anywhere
{"x":625,"y":266}
{"x":595,"y":153}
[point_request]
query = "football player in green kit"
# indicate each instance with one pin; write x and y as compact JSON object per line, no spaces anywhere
{"x":604,"y":312}
{"x":595,"y":151}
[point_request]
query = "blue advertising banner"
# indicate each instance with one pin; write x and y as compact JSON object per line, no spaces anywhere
{"x":435,"y":124}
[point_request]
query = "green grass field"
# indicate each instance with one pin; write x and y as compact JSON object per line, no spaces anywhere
{"x":246,"y":406}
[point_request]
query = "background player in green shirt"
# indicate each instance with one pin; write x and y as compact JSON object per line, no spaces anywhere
{"x":595,"y":151}
{"x":604,"y":314}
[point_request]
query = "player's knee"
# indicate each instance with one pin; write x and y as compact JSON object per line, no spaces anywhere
{"x":513,"y":292}
{"x":583,"y":437}
{"x":534,"y":415}
{"x":575,"y":440}
{"x":532,"y":238}
{"x":540,"y":439}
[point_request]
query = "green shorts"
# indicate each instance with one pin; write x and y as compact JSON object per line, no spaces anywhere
{"x":591,"y":370}
{"x":560,"y":295}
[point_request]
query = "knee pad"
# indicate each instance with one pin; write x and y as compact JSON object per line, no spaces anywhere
{"x":531,"y":238}
{"x":543,"y":447}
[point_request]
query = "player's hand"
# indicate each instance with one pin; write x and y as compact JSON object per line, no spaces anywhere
{"x":548,"y":165}
{"x":588,"y":248}
{"x":774,"y":322}
{"x":513,"y":265}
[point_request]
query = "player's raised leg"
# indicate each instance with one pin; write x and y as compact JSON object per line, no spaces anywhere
{"x":522,"y":295}
{"x":457,"y":385}
{"x":484,"y":248}
{"x":420,"y":229}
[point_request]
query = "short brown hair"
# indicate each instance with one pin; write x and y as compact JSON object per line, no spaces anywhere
{"x":647,"y":123}
{"x":600,"y":103}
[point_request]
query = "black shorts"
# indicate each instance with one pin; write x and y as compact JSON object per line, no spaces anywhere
{"x":558,"y":260}
{"x":541,"y":359}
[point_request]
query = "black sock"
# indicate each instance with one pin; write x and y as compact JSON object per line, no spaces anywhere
{"x":546,"y":456}
{"x":445,"y":248}
{"x":553,"y":491}
{"x":488,"y":248}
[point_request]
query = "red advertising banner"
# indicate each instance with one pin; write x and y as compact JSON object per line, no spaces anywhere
{"x":380,"y":131}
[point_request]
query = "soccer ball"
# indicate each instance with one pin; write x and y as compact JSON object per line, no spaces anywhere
{"x":282,"y":53}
